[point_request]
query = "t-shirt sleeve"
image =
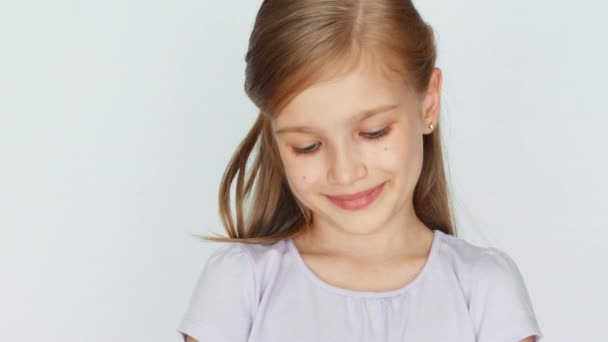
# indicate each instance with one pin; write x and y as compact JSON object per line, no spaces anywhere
{"x":500,"y":305}
{"x":222,"y":304}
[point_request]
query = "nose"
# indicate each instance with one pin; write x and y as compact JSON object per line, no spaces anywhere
{"x":346,"y":166}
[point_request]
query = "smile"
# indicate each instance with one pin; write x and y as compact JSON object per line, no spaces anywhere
{"x":358,"y":200}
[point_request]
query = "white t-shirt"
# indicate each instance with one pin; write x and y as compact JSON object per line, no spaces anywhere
{"x":266,"y":293}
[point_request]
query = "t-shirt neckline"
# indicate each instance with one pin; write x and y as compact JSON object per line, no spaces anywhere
{"x":369,"y":294}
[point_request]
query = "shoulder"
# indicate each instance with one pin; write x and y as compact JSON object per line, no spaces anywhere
{"x":479,"y":268}
{"x":253,"y":263}
{"x":469,"y":257}
{"x":228,"y":263}
{"x":462,"y":255}
{"x":495,"y":291}
{"x":496,"y":265}
{"x":244,"y":254}
{"x":238,"y":265}
{"x":483,"y":265}
{"x":499,"y":281}
{"x":227,"y":293}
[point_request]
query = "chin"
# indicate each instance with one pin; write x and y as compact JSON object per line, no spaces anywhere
{"x":360,"y":221}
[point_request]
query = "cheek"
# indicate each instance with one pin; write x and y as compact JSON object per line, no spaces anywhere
{"x":301,"y":175}
{"x":403,"y":155}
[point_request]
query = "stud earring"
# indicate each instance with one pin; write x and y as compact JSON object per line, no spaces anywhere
{"x":431,"y":125}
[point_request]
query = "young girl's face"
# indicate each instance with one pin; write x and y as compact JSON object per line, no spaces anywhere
{"x":352,"y":134}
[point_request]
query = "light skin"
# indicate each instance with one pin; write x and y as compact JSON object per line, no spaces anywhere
{"x":385,"y":245}
{"x":344,"y":160}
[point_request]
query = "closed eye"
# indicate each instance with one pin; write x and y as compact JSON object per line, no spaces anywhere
{"x":369,"y":135}
{"x":378,"y":134}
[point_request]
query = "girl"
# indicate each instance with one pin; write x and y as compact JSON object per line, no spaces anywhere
{"x":348,"y":234}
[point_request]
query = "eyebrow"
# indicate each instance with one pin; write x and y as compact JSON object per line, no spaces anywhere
{"x":359,"y":117}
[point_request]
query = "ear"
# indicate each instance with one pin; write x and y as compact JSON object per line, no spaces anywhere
{"x":431,"y":102}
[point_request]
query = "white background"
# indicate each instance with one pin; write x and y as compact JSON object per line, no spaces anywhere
{"x":117,"y":119}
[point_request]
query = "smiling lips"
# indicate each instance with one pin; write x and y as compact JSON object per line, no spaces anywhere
{"x":357,"y":201}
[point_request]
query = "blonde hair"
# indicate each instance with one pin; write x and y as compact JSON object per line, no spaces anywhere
{"x":293,"y":45}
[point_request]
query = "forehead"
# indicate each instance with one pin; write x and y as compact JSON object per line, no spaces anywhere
{"x":344,"y":100}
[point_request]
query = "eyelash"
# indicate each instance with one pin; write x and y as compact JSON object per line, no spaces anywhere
{"x":371,"y":136}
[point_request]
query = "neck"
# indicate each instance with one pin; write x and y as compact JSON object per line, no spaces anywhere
{"x":403,"y":239}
